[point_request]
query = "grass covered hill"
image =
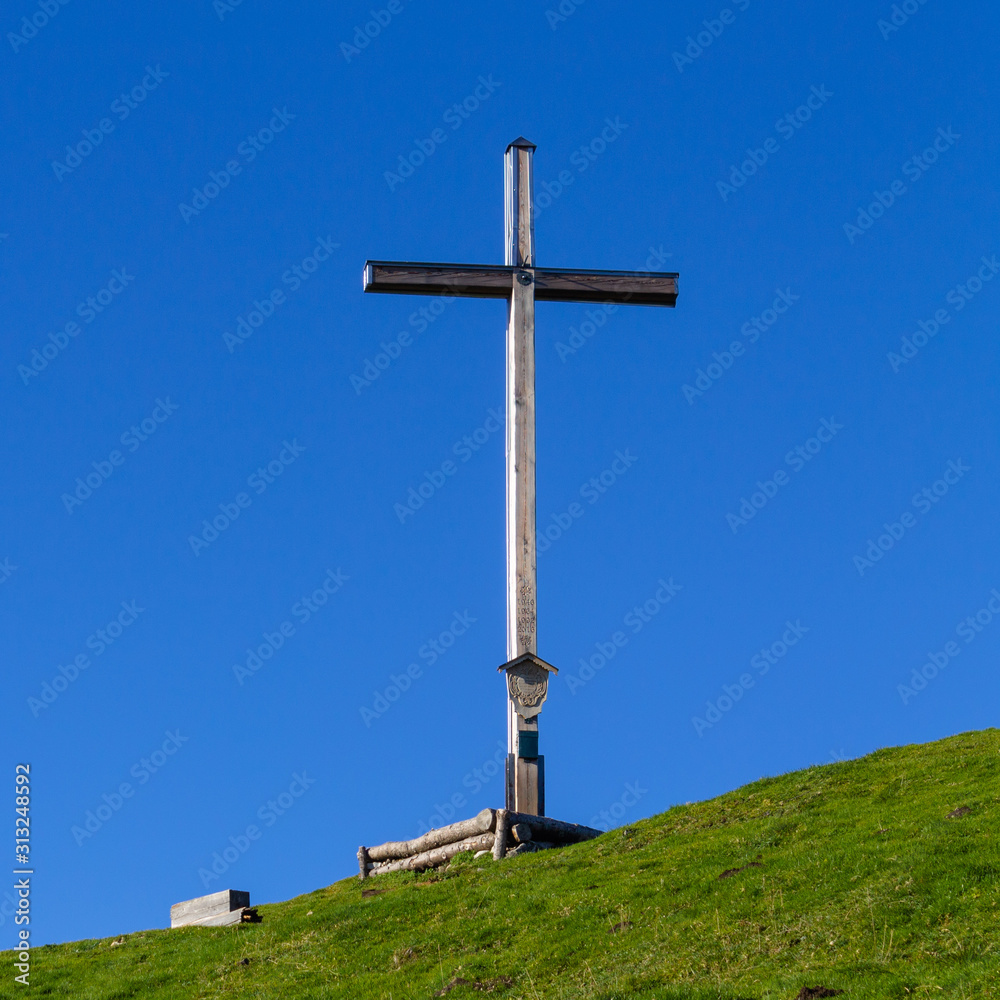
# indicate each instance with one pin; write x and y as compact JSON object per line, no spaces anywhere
{"x":879,"y":877}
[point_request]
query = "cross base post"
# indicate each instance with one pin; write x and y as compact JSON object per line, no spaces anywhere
{"x":526,"y":784}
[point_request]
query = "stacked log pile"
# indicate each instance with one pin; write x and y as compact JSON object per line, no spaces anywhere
{"x":502,"y":832}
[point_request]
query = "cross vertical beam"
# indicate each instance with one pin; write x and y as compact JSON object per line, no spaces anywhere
{"x":525,"y":778}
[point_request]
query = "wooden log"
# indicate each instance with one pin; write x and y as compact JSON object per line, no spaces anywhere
{"x":532,"y":847}
{"x":521,"y":832}
{"x":554,"y":829}
{"x":481,"y":823}
{"x":433,"y":858}
{"x":500,"y":838}
{"x":193,"y":910}
{"x":363,"y":862}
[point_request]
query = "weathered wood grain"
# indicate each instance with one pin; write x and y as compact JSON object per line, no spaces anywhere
{"x":526,"y":788}
{"x":438,"y":856}
{"x":500,"y":837}
{"x":481,"y":823}
{"x":520,"y":430}
{"x":639,"y":288}
{"x":489,"y":282}
{"x":522,"y":591}
{"x":521,"y":833}
{"x":523,"y":198}
{"x":218,"y":920}
{"x":635,"y":288}
{"x":510,"y":766}
{"x":518,"y":192}
{"x":521,"y":547}
{"x":244,"y":915}
{"x":192,"y":910}
{"x":554,"y":829}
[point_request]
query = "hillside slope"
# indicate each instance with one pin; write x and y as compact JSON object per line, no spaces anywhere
{"x":853,"y":877}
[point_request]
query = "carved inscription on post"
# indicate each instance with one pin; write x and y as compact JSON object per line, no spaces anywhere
{"x":526,"y":617}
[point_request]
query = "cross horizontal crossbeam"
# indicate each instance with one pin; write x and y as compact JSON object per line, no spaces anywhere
{"x":551,"y":284}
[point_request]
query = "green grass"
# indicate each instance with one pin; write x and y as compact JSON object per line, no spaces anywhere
{"x":863,"y":885}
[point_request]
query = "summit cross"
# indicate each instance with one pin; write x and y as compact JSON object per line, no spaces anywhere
{"x":521,"y":283}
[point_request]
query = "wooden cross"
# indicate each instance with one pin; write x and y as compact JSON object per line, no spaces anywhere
{"x":521,"y":283}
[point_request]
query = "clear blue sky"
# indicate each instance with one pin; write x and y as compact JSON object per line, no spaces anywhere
{"x":248,"y":169}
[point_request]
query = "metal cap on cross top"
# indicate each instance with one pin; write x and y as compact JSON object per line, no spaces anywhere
{"x":522,"y":283}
